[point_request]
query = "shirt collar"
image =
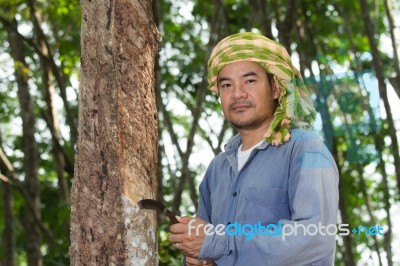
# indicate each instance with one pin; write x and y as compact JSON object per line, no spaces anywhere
{"x":233,"y":144}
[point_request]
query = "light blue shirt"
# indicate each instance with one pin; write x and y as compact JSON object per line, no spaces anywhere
{"x":295,"y":183}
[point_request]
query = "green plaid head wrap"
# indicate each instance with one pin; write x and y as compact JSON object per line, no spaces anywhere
{"x":295,"y":108}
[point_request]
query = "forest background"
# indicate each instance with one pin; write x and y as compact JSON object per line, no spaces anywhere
{"x":347,"y":52}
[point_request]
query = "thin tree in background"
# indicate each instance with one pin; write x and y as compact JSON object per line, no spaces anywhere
{"x":395,"y":81}
{"x":31,"y":182}
{"x":9,"y":232}
{"x":9,"y":220}
{"x":286,"y":25}
{"x":378,"y":66}
{"x":48,"y":91}
{"x":261,"y":17}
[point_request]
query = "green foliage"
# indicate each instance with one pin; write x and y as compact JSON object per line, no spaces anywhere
{"x":61,"y":24}
{"x":168,"y":255}
{"x":57,"y":216}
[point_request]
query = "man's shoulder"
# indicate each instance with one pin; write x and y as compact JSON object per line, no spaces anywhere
{"x":309,"y":142}
{"x":231,"y":146}
{"x":307,"y":139}
{"x":303,"y":134}
{"x":218,"y":159}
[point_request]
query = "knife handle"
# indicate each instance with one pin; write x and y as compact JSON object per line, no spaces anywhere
{"x":171,"y":216}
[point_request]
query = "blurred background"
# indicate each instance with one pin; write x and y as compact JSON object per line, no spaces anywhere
{"x":346,"y":50}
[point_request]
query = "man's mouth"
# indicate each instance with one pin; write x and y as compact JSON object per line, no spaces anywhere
{"x":240,"y":106}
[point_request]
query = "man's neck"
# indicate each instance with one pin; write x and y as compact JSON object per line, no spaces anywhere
{"x":251,"y":137}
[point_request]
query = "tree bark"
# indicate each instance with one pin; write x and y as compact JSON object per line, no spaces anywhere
{"x":31,"y":182}
{"x":116,"y":161}
{"x":156,"y":7}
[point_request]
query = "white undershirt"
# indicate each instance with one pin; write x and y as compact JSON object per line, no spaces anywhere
{"x":242,"y":156}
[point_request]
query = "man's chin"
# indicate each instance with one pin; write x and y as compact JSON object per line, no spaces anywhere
{"x":243,"y":125}
{"x":247,"y":124}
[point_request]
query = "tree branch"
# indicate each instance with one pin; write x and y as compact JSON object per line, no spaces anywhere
{"x":15,"y":182}
{"x":168,"y":124}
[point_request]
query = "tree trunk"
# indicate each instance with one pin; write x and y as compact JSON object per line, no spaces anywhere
{"x":157,"y":73}
{"x":8,"y":232}
{"x":387,"y":237}
{"x":8,"y":206}
{"x":48,"y":91}
{"x":396,"y":63}
{"x":116,"y":161}
{"x":261,"y":17}
{"x":56,"y":70}
{"x":285,"y":27}
{"x":31,"y":182}
{"x":378,"y":66}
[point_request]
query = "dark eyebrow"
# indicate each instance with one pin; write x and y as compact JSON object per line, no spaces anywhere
{"x":251,"y":73}
{"x":248,"y":74}
{"x":223,"y":79}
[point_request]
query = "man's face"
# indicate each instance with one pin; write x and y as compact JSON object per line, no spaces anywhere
{"x":247,"y":98}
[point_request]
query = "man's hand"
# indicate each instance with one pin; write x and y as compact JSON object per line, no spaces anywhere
{"x":188,"y":242}
{"x":195,"y":262}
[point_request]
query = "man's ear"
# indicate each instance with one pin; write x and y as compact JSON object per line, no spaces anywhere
{"x":276,"y":90}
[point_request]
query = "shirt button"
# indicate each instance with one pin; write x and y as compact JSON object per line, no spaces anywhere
{"x":234,"y":194}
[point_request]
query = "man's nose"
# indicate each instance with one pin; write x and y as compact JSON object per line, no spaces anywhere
{"x":238,"y":92}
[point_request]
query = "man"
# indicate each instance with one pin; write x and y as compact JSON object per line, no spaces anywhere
{"x":274,"y":175}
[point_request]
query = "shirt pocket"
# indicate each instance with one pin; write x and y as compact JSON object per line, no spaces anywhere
{"x":266,"y":205}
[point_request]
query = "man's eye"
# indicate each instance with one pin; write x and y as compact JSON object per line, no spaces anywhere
{"x":225,"y":85}
{"x":250,"y":81}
